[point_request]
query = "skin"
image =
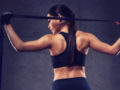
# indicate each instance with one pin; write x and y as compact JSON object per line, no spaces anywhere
{"x":56,"y":44}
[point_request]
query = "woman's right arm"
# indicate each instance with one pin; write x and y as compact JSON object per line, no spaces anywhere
{"x":100,"y":46}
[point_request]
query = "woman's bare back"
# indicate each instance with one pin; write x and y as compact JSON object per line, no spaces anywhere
{"x":59,"y":46}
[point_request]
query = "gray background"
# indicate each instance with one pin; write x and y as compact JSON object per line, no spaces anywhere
{"x":33,"y":70}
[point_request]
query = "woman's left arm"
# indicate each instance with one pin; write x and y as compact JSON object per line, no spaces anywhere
{"x":19,"y":45}
{"x":100,"y":46}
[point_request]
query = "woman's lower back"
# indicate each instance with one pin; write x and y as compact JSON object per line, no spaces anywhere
{"x":69,"y":72}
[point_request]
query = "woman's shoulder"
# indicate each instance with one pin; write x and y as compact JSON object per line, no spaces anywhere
{"x":81,"y":32}
{"x":53,"y":36}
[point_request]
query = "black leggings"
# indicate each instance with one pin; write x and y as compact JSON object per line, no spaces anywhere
{"x":76,"y":83}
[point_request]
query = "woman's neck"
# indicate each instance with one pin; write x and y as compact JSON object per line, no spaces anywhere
{"x":65,"y":29}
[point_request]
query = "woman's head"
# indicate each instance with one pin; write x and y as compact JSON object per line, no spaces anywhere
{"x":60,"y":10}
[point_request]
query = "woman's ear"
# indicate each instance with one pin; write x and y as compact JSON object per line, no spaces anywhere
{"x":60,"y":16}
{"x":61,"y":21}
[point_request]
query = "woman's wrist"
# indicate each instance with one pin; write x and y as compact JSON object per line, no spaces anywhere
{"x":119,"y":48}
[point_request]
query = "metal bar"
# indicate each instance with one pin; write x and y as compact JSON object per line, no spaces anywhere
{"x":66,"y":18}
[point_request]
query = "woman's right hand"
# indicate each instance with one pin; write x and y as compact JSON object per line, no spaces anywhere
{"x":117,"y":22}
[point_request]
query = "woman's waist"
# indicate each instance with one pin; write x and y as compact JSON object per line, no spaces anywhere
{"x":69,"y":70}
{"x":66,"y":74}
{"x":59,"y":78}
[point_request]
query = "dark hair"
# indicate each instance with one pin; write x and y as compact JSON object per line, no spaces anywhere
{"x":67,"y":12}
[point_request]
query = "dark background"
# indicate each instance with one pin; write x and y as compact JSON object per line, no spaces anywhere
{"x":33,"y":70}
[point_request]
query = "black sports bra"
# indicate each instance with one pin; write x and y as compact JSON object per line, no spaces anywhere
{"x":61,"y":60}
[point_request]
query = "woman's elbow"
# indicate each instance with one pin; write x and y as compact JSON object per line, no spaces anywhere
{"x":115,"y":52}
{"x":19,"y":48}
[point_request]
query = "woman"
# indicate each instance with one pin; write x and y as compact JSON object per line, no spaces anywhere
{"x":68,"y":48}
